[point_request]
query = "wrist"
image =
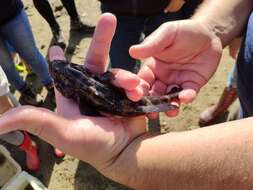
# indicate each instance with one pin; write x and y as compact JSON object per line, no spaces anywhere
{"x":123,"y":167}
{"x":226,"y":20}
{"x":212,"y":29}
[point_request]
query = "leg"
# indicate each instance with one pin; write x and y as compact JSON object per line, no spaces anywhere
{"x":28,"y":96}
{"x":9,"y":67}
{"x":25,"y":143}
{"x":46,"y":12}
{"x":71,"y":8}
{"x":128,"y":32}
{"x":19,"y":35}
{"x":245,"y":71}
{"x":15,"y":138}
{"x":212,"y":114}
{"x":76,"y":23}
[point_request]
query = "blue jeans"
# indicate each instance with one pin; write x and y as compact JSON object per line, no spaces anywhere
{"x":245,"y":71}
{"x":131,"y":30}
{"x":19,"y":34}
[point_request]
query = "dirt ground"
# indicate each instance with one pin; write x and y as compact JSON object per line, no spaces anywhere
{"x":69,"y":173}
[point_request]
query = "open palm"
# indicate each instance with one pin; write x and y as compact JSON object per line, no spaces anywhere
{"x":179,"y":53}
{"x":97,"y":140}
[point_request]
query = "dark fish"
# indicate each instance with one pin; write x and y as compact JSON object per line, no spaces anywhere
{"x":94,"y":93}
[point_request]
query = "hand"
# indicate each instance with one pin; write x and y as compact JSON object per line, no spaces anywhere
{"x":174,"y":6}
{"x":183,"y":53}
{"x":97,"y":140}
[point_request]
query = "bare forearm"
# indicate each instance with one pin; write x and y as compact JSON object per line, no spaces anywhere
{"x":218,"y":158}
{"x":225,"y":18}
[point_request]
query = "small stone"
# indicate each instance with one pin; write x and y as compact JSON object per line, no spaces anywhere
{"x":42,"y":46}
{"x":58,"y":8}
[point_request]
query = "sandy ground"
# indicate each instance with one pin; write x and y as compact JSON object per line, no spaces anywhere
{"x":70,"y":173}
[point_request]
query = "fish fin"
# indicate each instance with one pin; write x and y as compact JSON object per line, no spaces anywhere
{"x":157,"y":108}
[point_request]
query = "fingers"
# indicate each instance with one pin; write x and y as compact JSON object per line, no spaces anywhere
{"x":188,"y":94}
{"x":125,"y":79}
{"x":100,"y":46}
{"x":158,"y":89}
{"x":56,"y":53}
{"x":37,"y":121}
{"x":134,"y":87}
{"x":146,"y":73}
{"x":155,"y":43}
{"x":175,"y":101}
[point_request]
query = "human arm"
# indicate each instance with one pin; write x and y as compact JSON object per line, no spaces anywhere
{"x":218,"y":157}
{"x":68,"y":124}
{"x":121,"y":149}
{"x":187,"y":52}
{"x":226,"y":19}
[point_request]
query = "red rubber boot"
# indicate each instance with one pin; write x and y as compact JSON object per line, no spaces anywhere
{"x":30,"y":148}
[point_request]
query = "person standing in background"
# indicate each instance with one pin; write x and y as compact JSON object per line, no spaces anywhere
{"x":76,"y":24}
{"x":15,"y":28}
{"x":212,"y":114}
{"x":136,"y":20}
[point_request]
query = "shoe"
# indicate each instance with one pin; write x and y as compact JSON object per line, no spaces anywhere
{"x":58,"y":37}
{"x":30,"y":148}
{"x":211,"y":114}
{"x":20,"y":67}
{"x":58,"y":153}
{"x":28,"y":97}
{"x":78,"y":26}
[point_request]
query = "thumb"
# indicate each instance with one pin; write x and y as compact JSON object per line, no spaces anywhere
{"x":156,"y":42}
{"x":38,"y":121}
